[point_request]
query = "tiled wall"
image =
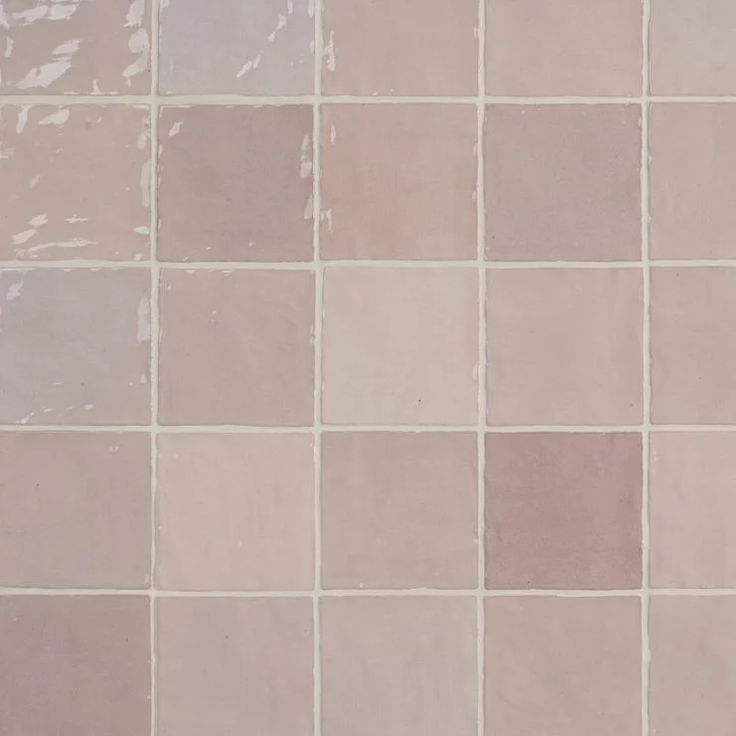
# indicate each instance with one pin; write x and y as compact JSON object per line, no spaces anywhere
{"x":367,"y":367}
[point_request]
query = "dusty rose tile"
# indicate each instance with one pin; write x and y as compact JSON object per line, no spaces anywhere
{"x":400,"y":346}
{"x":399,"y":510}
{"x":260,"y":47}
{"x":692,"y":675}
{"x":74,"y":665}
{"x":80,"y":346}
{"x":565,"y":346}
{"x":413,"y":47}
{"x":236,"y":347}
{"x":235,"y":512}
{"x":235,"y":183}
{"x":693,"y":345}
{"x":373,"y":157}
{"x":563,"y":47}
{"x":74,"y":182}
{"x":691,"y":47}
{"x":692,"y":180}
{"x":230,"y":666}
{"x":75,"y":47}
{"x":562,"y":182}
{"x":563,"y":510}
{"x":75,"y":509}
{"x":396,"y":665}
{"x":567,"y":666}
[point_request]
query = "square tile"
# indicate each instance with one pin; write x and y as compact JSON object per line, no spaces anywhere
{"x":559,"y":666}
{"x":75,"y":182}
{"x":75,"y":47}
{"x":563,"y":510}
{"x":230,"y":666}
{"x":692,"y":181}
{"x":691,"y":47}
{"x":692,"y":675}
{"x":395,"y":665}
{"x":400,"y":346}
{"x":81,"y":346}
{"x":374,"y":208}
{"x":260,"y":47}
{"x":235,"y":512}
{"x":243,"y":194}
{"x":75,"y":509}
{"x":565,"y":346}
{"x":399,"y":510}
{"x":693,"y":345}
{"x":236,"y":347}
{"x":413,"y":47}
{"x":691,"y":509}
{"x":563,"y":182}
{"x":75,"y":665}
{"x":564,"y":47}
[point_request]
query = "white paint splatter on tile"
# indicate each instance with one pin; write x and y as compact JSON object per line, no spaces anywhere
{"x":175,"y":129}
{"x":143,"y":333}
{"x":305,"y":161}
{"x":22,"y":119}
{"x":13,"y":291}
{"x":329,"y":53}
{"x":56,"y":118}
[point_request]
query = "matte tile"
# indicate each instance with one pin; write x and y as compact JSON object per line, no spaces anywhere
{"x":400,"y":346}
{"x":74,"y":182}
{"x":692,"y":676}
{"x":374,"y":157}
{"x":563,"y":666}
{"x":74,"y":665}
{"x":565,"y":346}
{"x":80,"y":346}
{"x":236,"y":347}
{"x":235,"y":512}
{"x":413,"y":47}
{"x":563,"y":510}
{"x":235,"y":183}
{"x":231,"y":666}
{"x":691,"y":509}
{"x":562,"y":182}
{"x":259,"y":47}
{"x":397,"y":665}
{"x":693,"y":345}
{"x":564,"y":47}
{"x":75,"y":509}
{"x":399,"y":510}
{"x":75,"y":47}
{"x":692,"y":181}
{"x":691,"y":47}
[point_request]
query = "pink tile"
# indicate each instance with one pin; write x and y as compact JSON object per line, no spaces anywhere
{"x":693,"y":345}
{"x":260,"y":47}
{"x":398,"y":665}
{"x":565,"y":346}
{"x":564,"y":47}
{"x":400,"y":346}
{"x":399,"y":510}
{"x":413,"y":47}
{"x":230,"y":666}
{"x":235,"y":512}
{"x":235,"y":183}
{"x":80,"y":346}
{"x":692,"y":180}
{"x":567,"y":666}
{"x":562,"y":182}
{"x":563,"y":510}
{"x":75,"y":182}
{"x":74,"y":665}
{"x":74,"y":47}
{"x":372,"y":207}
{"x":236,"y":347}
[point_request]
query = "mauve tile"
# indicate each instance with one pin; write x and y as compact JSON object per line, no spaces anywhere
{"x":74,"y":182}
{"x":74,"y":665}
{"x":227,"y":666}
{"x":80,"y":346}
